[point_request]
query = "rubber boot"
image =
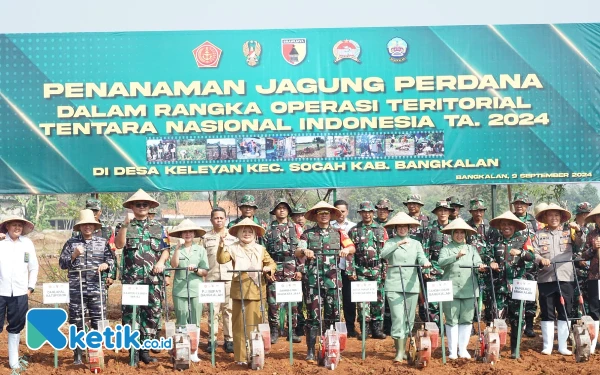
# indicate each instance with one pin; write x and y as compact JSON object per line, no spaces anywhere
{"x":145,"y":357}
{"x":452,"y":333}
{"x":77,"y":354}
{"x":547,"y":337}
{"x":529,"y":326}
{"x":376,"y":330}
{"x":464,"y":334}
{"x":595,"y":340}
{"x":274,"y":335}
{"x":513,"y":341}
{"x":400,"y":345}
{"x":13,"y":350}
{"x":563,"y":335}
{"x":311,"y":340}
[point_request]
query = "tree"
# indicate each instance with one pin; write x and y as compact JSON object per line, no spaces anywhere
{"x":354,"y":197}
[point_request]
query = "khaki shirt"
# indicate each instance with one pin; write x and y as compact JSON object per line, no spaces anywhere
{"x":216,"y":271}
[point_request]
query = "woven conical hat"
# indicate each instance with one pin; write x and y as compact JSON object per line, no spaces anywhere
{"x":86,"y":217}
{"x":565,"y":215}
{"x":591,"y":218}
{"x":187,"y":225}
{"x":141,"y":195}
{"x":495,"y":222}
{"x":401,"y":218}
{"x":458,"y":223}
{"x":27,"y":225}
{"x":539,"y":207}
{"x":247,"y":222}
{"x":312,"y":213}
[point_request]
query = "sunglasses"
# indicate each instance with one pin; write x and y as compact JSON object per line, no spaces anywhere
{"x":323,"y":212}
{"x":141,"y":205}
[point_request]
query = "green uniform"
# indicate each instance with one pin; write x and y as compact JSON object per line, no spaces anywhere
{"x":433,"y":241}
{"x":192,"y":256}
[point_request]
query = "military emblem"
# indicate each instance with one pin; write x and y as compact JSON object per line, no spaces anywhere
{"x":207,"y":55}
{"x":346,"y":49}
{"x":252,"y":50}
{"x":293,"y":50}
{"x":397,"y":49}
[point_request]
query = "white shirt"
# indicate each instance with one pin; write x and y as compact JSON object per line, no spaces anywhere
{"x":18,"y":266}
{"x":345,"y":226}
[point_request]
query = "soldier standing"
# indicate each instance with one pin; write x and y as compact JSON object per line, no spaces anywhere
{"x":414,"y":204}
{"x":282,"y":240}
{"x":248,"y":209}
{"x":84,"y":252}
{"x":454,"y":202}
{"x":298,"y":217}
{"x":322,"y":238}
{"x":506,"y":259}
{"x":521,"y":203}
{"x":384,"y":208}
{"x":582,"y":210}
{"x":591,"y":252}
{"x":144,"y":258}
{"x":433,"y":241}
{"x":368,"y":265}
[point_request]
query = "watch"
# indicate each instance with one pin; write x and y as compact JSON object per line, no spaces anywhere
{"x":31,"y":289}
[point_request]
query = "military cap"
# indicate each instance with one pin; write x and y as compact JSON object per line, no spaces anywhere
{"x":521,"y":197}
{"x":384,"y":203}
{"x":583,"y":208}
{"x":458,"y":224}
{"x":281,"y":201}
{"x":299,"y":209}
{"x":565,"y":215}
{"x":442,"y":204}
{"x":454,"y":201}
{"x":248,"y":200}
{"x":415,"y":198}
{"x":477,"y":204}
{"x":366,"y":206}
{"x":93,"y":204}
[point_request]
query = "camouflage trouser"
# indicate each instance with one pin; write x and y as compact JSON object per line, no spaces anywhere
{"x":274,"y":307}
{"x":530,"y":306}
{"x":147,"y":316}
{"x":582,"y":278}
{"x":488,"y":316}
{"x":91,"y":303}
{"x":330,"y":305}
{"x":372,"y":310}
{"x":508,"y":308}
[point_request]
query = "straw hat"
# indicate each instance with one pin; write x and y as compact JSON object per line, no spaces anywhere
{"x":458,"y":223}
{"x":322,"y":205}
{"x":495,"y":222}
{"x":565,"y":215}
{"x":27,"y":225}
{"x":591,"y":218}
{"x":401,"y":218}
{"x":187,"y":225}
{"x":539,"y":207}
{"x":86,"y":217}
{"x":247,"y":222}
{"x":141,"y":195}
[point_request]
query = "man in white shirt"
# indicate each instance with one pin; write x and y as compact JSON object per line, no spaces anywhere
{"x":349,"y":308}
{"x":218,"y":272}
{"x":18,"y":275}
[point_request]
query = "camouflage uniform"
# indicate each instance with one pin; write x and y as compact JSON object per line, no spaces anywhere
{"x":581,"y":271}
{"x":143,"y":248}
{"x":433,"y":241}
{"x":384,"y":203}
{"x":97,"y":251}
{"x":387,"y":315}
{"x":455,"y":204}
{"x":300,"y":317}
{"x":416,"y":233}
{"x":367,"y":265}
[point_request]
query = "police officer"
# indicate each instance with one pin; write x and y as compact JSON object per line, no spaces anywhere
{"x":433,"y":241}
{"x":454,"y":202}
{"x":414,"y":204}
{"x":282,"y":240}
{"x":322,"y":238}
{"x":506,"y":259}
{"x":144,"y":258}
{"x":521,"y":203}
{"x":84,"y":252}
{"x":368,"y":238}
{"x":248,"y":209}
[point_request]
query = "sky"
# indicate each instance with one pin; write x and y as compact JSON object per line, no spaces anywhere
{"x":41,"y":16}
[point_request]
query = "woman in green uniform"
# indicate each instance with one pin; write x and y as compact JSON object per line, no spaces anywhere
{"x":398,"y":251}
{"x":459,"y":313}
{"x":193,"y":257}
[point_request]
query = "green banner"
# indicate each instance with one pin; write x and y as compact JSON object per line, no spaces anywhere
{"x":306,"y":108}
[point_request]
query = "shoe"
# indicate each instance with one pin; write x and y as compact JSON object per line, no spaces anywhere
{"x":299,"y":330}
{"x":595,"y":340}
{"x":274,"y":335}
{"x":77,"y":357}
{"x":376,"y":329}
{"x":242,"y":363}
{"x":400,"y":345}
{"x":352,"y":333}
{"x":529,"y":326}
{"x":145,"y":357}
{"x":464,"y":334}
{"x":210,"y":347}
{"x":311,"y":340}
{"x":13,"y":350}
{"x":547,"y":337}
{"x":228,"y":346}
{"x":194,"y":357}
{"x":563,"y":335}
{"x":295,"y":338}
{"x":452,"y":333}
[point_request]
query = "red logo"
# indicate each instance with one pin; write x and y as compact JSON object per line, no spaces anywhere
{"x":207,"y":55}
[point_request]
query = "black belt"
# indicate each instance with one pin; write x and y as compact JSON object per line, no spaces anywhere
{"x":282,"y":258}
{"x":368,"y":263}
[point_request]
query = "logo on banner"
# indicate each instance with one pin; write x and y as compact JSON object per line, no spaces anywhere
{"x":346,"y":49}
{"x":293,"y":50}
{"x":397,"y":49}
{"x":252,"y":50}
{"x":207,"y":55}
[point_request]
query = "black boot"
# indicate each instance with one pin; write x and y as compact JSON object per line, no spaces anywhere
{"x":295,"y":338}
{"x":145,"y":357}
{"x":351,"y":330}
{"x":77,"y":356}
{"x":367,"y":331}
{"x":376,"y":329}
{"x":274,"y":335}
{"x":311,"y":340}
{"x":529,"y":326}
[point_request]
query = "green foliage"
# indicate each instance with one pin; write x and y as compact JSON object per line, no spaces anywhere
{"x":396,"y":195}
{"x":578,"y":193}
